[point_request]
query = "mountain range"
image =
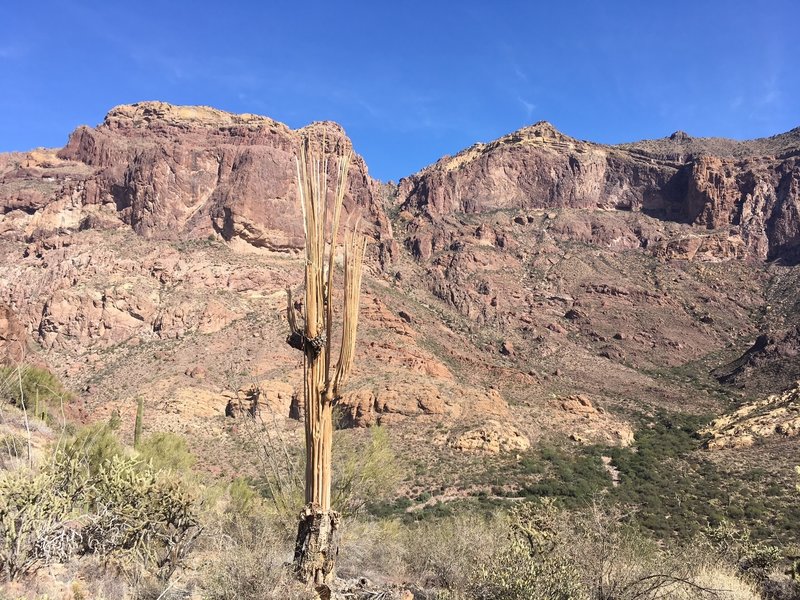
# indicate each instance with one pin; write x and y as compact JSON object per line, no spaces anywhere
{"x":536,"y":288}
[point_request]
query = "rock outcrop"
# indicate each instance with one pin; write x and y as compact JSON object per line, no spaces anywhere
{"x":590,"y":424}
{"x":537,"y":280}
{"x":493,"y":437}
{"x":777,"y":415}
{"x":774,"y":356}
{"x":751,"y":188}
{"x":394,"y":402}
{"x":177,"y":172}
{"x":13,"y":338}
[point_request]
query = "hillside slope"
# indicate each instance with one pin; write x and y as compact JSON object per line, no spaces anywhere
{"x":566,"y":290}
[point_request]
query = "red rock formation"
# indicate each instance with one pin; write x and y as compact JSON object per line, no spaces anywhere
{"x":759,"y":197}
{"x":751,"y":187}
{"x":174,"y":172}
{"x":13,"y":339}
{"x":537,"y":263}
{"x":773,"y":359}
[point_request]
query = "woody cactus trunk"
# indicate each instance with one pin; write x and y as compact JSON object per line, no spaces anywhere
{"x":318,"y":532}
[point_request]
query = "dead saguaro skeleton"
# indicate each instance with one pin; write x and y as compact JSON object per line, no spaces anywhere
{"x":318,"y":532}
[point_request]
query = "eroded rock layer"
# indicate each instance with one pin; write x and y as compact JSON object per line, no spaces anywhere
{"x":178,"y":172}
{"x":750,"y":188}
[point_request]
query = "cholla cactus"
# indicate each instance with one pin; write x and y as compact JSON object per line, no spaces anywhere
{"x":141,"y":518}
{"x":33,"y":509}
{"x":317,"y":537}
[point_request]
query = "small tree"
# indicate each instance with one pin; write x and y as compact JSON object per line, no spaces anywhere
{"x":318,"y":536}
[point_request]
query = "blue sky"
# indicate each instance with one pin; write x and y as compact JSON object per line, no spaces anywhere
{"x":410,"y":81}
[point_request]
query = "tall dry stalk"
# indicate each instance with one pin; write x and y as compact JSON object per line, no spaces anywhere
{"x":317,"y":538}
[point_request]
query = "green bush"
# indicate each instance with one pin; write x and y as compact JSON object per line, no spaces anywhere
{"x":363,"y":472}
{"x":37,"y":389}
{"x":92,"y":446}
{"x":244,"y":498}
{"x":167,"y":451}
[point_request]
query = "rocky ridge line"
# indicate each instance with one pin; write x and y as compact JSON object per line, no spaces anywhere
{"x":751,"y":189}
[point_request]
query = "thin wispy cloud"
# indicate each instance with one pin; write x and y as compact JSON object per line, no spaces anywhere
{"x":528,"y":106}
{"x":770,"y":93}
{"x":599,"y":73}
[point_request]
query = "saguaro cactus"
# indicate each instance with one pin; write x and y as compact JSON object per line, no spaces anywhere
{"x":318,"y":535}
{"x":137,"y":429}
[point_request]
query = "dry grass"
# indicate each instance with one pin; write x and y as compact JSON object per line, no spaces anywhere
{"x":725,"y":581}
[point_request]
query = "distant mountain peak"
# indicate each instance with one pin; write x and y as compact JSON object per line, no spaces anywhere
{"x":544,"y":126}
{"x":680,"y":136}
{"x":542,"y":129}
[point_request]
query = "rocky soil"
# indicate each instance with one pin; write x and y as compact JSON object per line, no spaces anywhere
{"x":533,"y":288}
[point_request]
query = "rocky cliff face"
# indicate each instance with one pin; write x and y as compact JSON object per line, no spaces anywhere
{"x":173,"y":172}
{"x":555,"y":284}
{"x":750,"y":188}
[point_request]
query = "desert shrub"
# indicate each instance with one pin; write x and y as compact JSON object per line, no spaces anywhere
{"x":677,"y":488}
{"x":388,"y":508}
{"x":573,"y":479}
{"x":532,"y":565}
{"x":280,"y":464}
{"x":540,"y":551}
{"x":143,"y":518}
{"x":616,"y":560}
{"x":238,"y":508}
{"x":166,"y":451}
{"x":31,"y":386}
{"x":516,"y":573}
{"x":34,"y":511}
{"x":12,"y":446}
{"x":251,"y":570}
{"x":444,"y":553}
{"x":723,"y":583}
{"x":363,"y":471}
{"x":92,"y":446}
{"x":244,"y":498}
{"x":780,"y":589}
{"x":734,"y":545}
{"x":371,"y":548}
{"x":87,"y":498}
{"x":247,"y":550}
{"x":150,"y":587}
